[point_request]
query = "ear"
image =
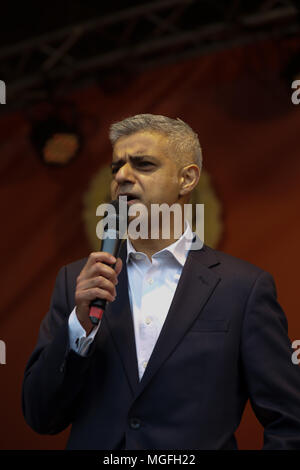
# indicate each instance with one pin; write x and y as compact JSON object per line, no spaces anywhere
{"x":189,"y":178}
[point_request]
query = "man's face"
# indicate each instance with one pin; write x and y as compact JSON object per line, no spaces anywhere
{"x":142,"y":169}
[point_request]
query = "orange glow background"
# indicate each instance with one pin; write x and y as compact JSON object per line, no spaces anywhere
{"x":249,"y":131}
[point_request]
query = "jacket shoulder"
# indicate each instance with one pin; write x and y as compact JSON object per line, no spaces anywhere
{"x":232,"y":265}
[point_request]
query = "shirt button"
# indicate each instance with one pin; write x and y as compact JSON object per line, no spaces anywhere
{"x":145,"y":364}
{"x":148,"y":320}
{"x":135,"y":423}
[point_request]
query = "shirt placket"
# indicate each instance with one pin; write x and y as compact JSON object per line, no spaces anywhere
{"x":147,"y":321}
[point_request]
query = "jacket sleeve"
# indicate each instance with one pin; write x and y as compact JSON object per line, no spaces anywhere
{"x":54,"y":375}
{"x":273,"y":380}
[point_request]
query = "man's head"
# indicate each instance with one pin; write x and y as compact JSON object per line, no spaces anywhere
{"x":183,"y":142}
{"x":155,"y":158}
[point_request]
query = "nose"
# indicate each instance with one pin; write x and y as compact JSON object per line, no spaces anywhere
{"x":124,"y":174}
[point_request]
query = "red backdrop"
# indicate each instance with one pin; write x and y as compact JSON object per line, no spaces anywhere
{"x":249,"y":131}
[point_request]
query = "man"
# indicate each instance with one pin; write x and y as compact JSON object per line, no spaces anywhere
{"x":187,"y":337}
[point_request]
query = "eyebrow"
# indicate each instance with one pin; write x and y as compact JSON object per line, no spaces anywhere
{"x":132,"y":158}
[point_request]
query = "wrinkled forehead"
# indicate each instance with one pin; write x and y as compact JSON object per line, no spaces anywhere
{"x":141,"y":143}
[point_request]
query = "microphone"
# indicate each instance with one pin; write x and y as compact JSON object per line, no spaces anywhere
{"x":115,"y":227}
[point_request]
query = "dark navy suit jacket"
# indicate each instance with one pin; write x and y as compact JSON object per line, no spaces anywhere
{"x":224,"y":341}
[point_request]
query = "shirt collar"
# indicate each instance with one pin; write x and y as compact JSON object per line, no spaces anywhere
{"x":179,"y":249}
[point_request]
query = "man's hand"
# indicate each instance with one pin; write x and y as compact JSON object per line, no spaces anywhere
{"x":96,"y":280}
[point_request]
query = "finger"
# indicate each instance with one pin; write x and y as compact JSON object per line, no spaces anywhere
{"x":99,"y":256}
{"x":118,"y":266}
{"x":98,"y":281}
{"x":100,"y":269}
{"x":88,"y":295}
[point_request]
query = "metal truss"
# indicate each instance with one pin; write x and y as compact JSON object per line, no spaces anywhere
{"x":141,"y":36}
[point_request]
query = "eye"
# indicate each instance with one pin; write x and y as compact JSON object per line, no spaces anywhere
{"x":144,"y":164}
{"x":115,"y":170}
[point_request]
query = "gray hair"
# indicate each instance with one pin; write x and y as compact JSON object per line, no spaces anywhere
{"x":181,"y":137}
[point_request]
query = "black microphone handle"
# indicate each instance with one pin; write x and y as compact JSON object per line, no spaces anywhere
{"x":112,"y":246}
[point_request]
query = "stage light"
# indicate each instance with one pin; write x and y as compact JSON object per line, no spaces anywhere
{"x":56,"y":141}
